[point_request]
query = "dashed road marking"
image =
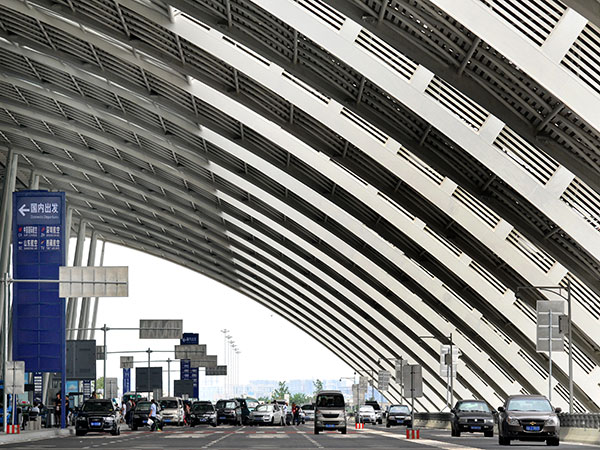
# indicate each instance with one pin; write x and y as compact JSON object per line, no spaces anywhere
{"x":316,"y":444}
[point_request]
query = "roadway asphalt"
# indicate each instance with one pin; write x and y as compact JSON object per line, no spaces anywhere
{"x":288,"y":438}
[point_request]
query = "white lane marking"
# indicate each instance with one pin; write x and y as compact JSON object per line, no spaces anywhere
{"x":429,"y":442}
{"x":313,"y":441}
{"x":267,"y":436}
{"x":225,"y":436}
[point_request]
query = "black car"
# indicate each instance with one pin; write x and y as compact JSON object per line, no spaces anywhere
{"x":139,"y":418}
{"x":203,"y":413}
{"x":528,"y":418}
{"x":398,"y":415}
{"x":377,"y":408}
{"x":229,"y":411}
{"x":472,"y":416}
{"x":98,"y":415}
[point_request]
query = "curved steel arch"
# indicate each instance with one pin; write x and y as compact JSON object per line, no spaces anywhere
{"x":241,"y":182}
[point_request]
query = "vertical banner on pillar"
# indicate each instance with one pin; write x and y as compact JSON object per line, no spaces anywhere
{"x":38,"y":383}
{"x":38,"y":252}
{"x":126,"y":380}
{"x":194,"y":377}
{"x":87,"y":389}
{"x":186,"y":371}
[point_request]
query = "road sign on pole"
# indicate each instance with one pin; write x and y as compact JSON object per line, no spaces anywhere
{"x":549,"y":311}
{"x":111,"y":388}
{"x":383,"y":380}
{"x":100,"y":352}
{"x":446,"y":360}
{"x":79,"y":281}
{"x":161,"y":329}
{"x":15,"y":377}
{"x":413,"y":381}
{"x":190,"y":351}
{"x":216,"y":371}
{"x":126,"y":362}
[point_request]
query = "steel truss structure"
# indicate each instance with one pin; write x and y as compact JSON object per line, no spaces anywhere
{"x":374,"y":171}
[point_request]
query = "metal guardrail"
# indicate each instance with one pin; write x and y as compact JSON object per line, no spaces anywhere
{"x":590,"y":421}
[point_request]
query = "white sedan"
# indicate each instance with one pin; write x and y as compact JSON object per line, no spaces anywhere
{"x":267,"y":414}
{"x":366,"y":414}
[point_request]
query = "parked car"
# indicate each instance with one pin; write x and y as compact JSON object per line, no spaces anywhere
{"x":398,"y":415}
{"x":172,"y":410}
{"x":366,"y":414}
{"x":269,"y":414}
{"x":203,"y":412}
{"x":330,"y":412}
{"x":139,"y":418}
{"x":309,"y":412}
{"x":471,"y":416}
{"x":377,"y":409}
{"x":229,"y":411}
{"x":528,"y":418}
{"x":98,"y":415}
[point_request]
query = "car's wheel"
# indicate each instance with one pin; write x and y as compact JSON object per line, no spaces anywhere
{"x":503,"y":441}
{"x":553,"y":441}
{"x":344,"y":430}
{"x":134,"y":427}
{"x":488,"y":433}
{"x":387,"y":425}
{"x":457,"y":433}
{"x":272,"y":420}
{"x":80,"y":432}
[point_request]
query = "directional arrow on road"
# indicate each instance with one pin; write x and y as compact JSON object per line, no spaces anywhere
{"x":23,"y":210}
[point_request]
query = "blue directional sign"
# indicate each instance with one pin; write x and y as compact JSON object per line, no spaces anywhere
{"x":186,"y":371}
{"x":126,"y":380}
{"x":38,"y":252}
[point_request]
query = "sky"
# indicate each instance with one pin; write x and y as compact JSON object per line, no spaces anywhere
{"x":271,"y":347}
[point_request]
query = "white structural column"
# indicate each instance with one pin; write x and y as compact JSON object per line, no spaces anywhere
{"x":92,"y":334}
{"x":529,"y":57}
{"x":72,"y":302}
{"x":84,"y":314}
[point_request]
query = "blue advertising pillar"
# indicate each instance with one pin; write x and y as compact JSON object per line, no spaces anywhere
{"x":126,"y":380}
{"x":186,"y":371}
{"x":38,"y":312}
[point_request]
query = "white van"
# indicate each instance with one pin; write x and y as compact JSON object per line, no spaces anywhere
{"x":172,"y":410}
{"x":330,"y":412}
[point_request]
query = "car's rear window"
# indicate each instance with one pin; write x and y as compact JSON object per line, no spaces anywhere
{"x":330,"y":401}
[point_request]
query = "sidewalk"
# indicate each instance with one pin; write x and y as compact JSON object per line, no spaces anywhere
{"x":27,"y":436}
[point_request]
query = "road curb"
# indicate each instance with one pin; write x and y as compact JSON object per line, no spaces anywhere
{"x":29,"y":436}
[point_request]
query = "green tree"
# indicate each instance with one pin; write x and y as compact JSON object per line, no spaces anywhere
{"x":299,"y":398}
{"x":99,"y":383}
{"x":264,"y":399}
{"x":318,"y":384}
{"x":281,"y":390}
